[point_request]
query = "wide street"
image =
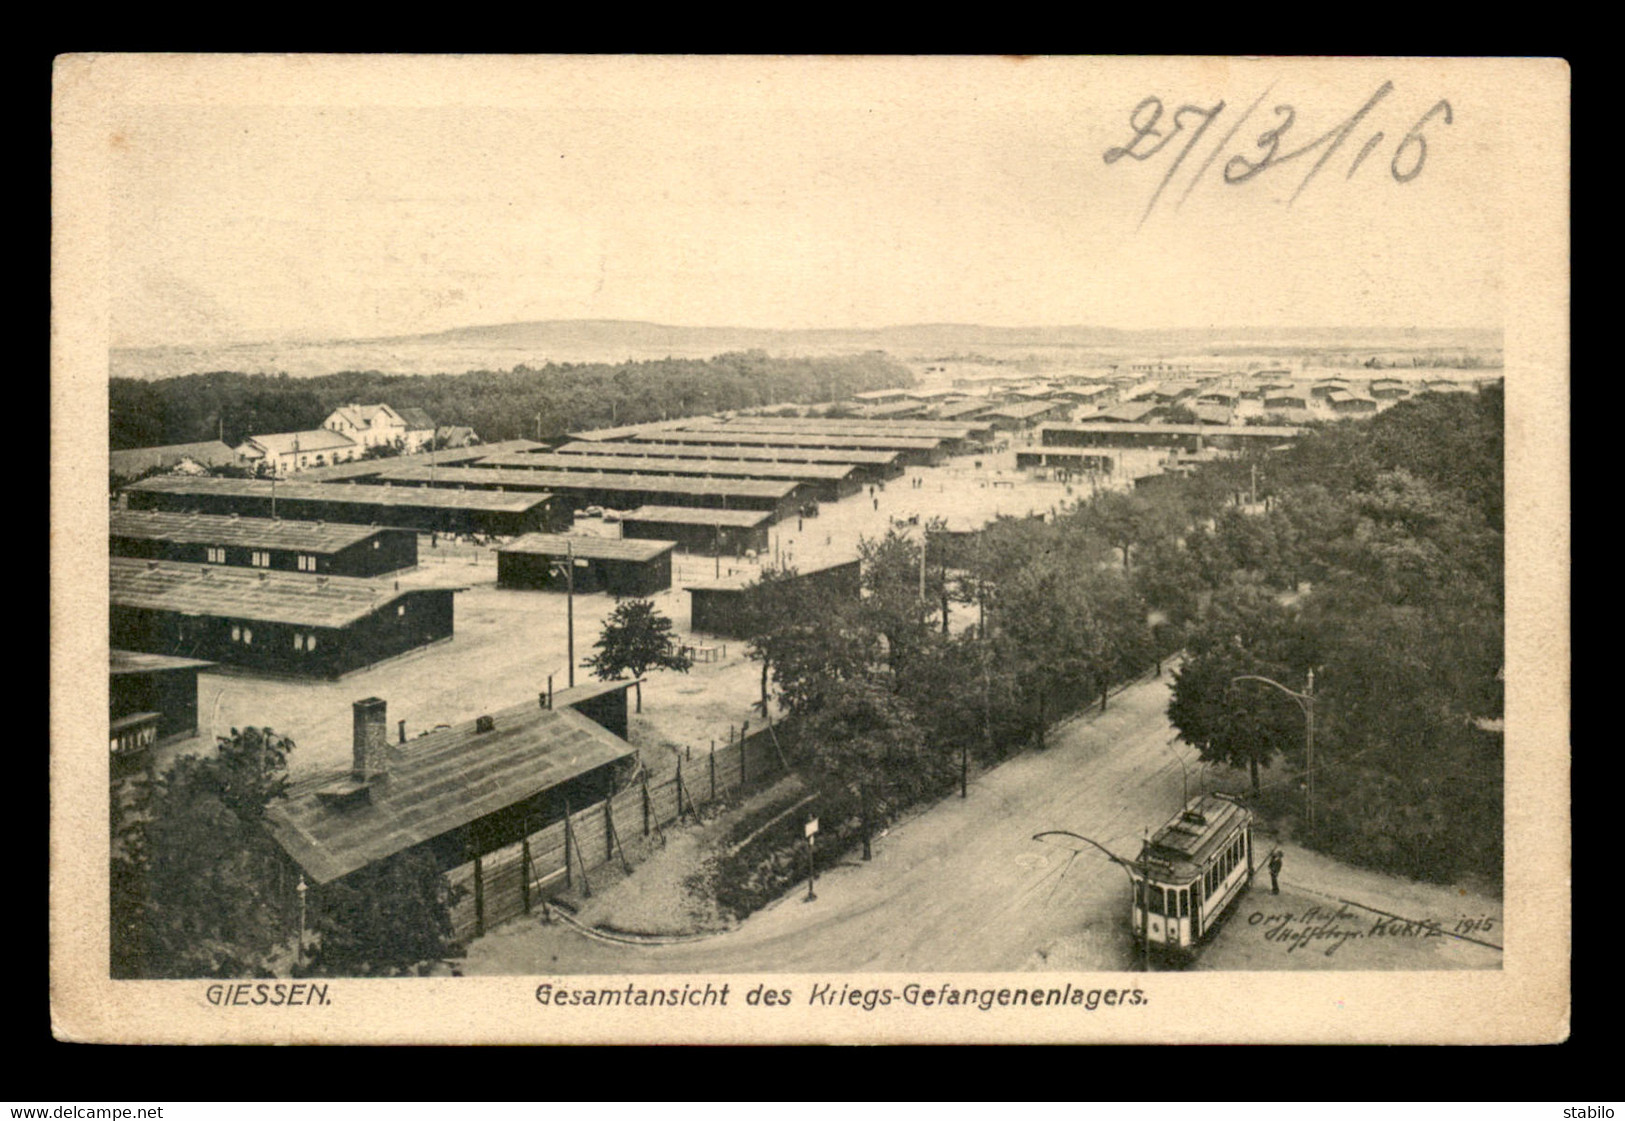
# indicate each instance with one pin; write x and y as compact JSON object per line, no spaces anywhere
{"x":964,"y":886}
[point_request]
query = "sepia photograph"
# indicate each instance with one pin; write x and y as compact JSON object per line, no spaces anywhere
{"x":650,"y":549}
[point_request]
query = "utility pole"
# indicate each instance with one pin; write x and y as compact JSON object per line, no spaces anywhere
{"x":301,"y":888}
{"x":1306,"y":701}
{"x":569,"y":606}
{"x":1184,"y":773}
{"x":1309,"y":743}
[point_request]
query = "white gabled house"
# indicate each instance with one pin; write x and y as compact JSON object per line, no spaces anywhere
{"x":287,"y":452}
{"x":368,"y":425}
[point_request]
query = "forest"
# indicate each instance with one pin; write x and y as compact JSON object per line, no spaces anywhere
{"x":1371,"y":555}
{"x":537,"y":402}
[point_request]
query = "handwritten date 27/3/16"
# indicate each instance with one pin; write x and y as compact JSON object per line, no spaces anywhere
{"x":1153,"y":129}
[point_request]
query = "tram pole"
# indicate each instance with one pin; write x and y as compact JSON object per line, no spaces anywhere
{"x":569,"y":570}
{"x":1145,"y":916}
{"x":1144,"y":931}
{"x":1306,"y":701}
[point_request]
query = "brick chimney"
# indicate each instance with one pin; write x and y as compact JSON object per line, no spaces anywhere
{"x":370,"y":750}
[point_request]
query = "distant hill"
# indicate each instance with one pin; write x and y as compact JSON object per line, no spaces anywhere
{"x":573,"y":333}
{"x":505,"y":345}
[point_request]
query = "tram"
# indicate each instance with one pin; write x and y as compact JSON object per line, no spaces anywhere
{"x":1190,"y":871}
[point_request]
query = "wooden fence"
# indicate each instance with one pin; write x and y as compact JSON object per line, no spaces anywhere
{"x":565,"y":855}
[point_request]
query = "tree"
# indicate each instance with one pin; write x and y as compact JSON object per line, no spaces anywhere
{"x":1125,"y":520}
{"x":636,"y":638}
{"x":1074,"y":629}
{"x":804,"y":640}
{"x":893,"y":604}
{"x":386,"y":919}
{"x":1245,"y":631}
{"x":868,"y":740}
{"x":205,"y":871}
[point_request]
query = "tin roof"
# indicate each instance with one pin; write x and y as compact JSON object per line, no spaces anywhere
{"x":361,"y":493}
{"x":725,"y":454}
{"x":739,"y":581}
{"x":1022,"y":410}
{"x":665,"y":465}
{"x":1129,"y":412}
{"x":626,"y":431}
{"x":698,"y":515}
{"x":800,"y":439}
{"x":132,"y":661}
{"x":961,"y":409}
{"x":438,"y":783}
{"x":247,"y":593}
{"x":594,"y":480}
{"x":1261,"y":431}
{"x":223,"y":529}
{"x":315,"y":440}
{"x":846,"y":426}
{"x":589,"y":547}
{"x":363,"y":467}
{"x":133,"y":461}
{"x":895,"y":409}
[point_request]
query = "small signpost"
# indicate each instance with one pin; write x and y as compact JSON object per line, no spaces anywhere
{"x":810,"y":830}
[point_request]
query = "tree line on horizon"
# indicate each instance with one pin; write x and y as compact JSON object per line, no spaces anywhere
{"x":549,"y":401}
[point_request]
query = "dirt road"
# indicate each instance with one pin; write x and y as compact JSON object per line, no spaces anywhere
{"x":964,"y":887}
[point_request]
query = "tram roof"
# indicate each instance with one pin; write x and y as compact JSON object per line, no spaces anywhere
{"x":1195,"y":833}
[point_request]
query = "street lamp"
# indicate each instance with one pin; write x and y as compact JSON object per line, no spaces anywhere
{"x":301,"y":889}
{"x":1128,"y":870}
{"x":810,"y":831}
{"x":1306,"y":701}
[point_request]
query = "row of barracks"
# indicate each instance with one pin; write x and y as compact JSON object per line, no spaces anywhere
{"x":280,"y":545}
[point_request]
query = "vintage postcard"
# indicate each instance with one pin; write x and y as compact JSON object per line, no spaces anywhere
{"x":735,"y":549}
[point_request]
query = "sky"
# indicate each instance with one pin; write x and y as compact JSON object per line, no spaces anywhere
{"x":333,"y":198}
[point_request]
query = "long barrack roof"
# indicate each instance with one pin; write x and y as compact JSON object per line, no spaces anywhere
{"x":668,"y":465}
{"x":1259,"y":431}
{"x":226,"y":529}
{"x":438,"y":783}
{"x":246,"y":593}
{"x":362,"y":468}
{"x":1021,"y":410}
{"x":361,"y":493}
{"x":843,"y":426}
{"x":589,"y":547}
{"x":739,"y":581}
{"x":135,"y":661}
{"x":727,"y":454}
{"x":698,"y":515}
{"x":799,"y":439}
{"x":594,"y":480}
{"x":210,"y":453}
